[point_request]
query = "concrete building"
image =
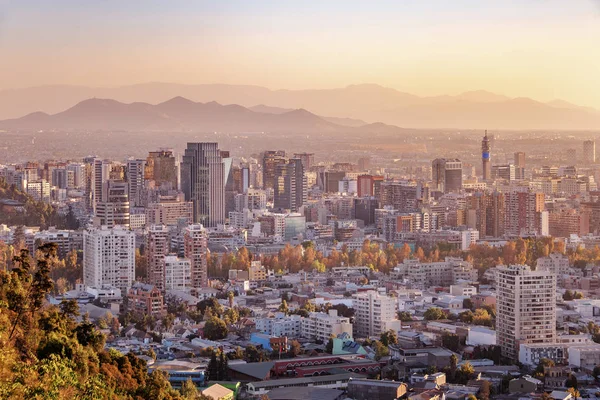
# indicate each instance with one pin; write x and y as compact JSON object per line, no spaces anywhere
{"x":109,"y":257}
{"x":290,"y":185}
{"x":369,"y":185}
{"x":555,"y":263}
{"x":203,"y":182}
{"x":321,"y":326}
{"x":195,"y":248}
{"x":370,"y":389}
{"x":451,"y":271}
{"x":446,"y":175}
{"x":526,"y":308}
{"x":373,"y":312}
{"x":157,"y":247}
{"x":170,"y":210}
{"x":146,"y":299}
{"x":114,"y":208}
{"x":161,"y":167}
{"x":178,"y":273}
{"x":524,"y":213}
{"x":135,"y":178}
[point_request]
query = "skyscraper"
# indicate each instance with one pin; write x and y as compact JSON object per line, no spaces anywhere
{"x":195,"y":247}
{"x":447,"y":175}
{"x":308,"y":159}
{"x":114,"y":209}
{"x":524,"y":213}
{"x":486,"y":147}
{"x":161,"y":167}
{"x":589,"y":152}
{"x":135,"y":178}
{"x":203,"y":182}
{"x":157,"y":247}
{"x":290,"y":185}
{"x":526,"y":308}
{"x":100,"y":174}
{"x":369,"y":185}
{"x":519,"y":159}
{"x":269,"y":160}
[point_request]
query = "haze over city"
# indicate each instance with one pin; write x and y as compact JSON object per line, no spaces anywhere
{"x":284,"y":200}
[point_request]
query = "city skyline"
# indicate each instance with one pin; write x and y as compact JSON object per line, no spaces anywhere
{"x":542,"y":50}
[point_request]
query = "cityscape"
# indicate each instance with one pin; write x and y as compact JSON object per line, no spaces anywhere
{"x":226,"y":241}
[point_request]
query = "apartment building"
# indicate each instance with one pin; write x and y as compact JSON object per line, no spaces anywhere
{"x":373,"y":312}
{"x":321,"y":326}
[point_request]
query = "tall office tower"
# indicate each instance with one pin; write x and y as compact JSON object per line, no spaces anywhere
{"x":447,"y":175}
{"x":308,"y":159}
{"x":364,"y":209}
{"x":161,"y":167}
{"x":486,"y":147}
{"x":486,"y":213}
{"x":114,"y":208}
{"x":157,"y":247}
{"x":373,"y":311}
{"x":290,"y":185}
{"x":78,"y":174}
{"x":195,"y":247}
{"x":369,"y":185}
{"x":504,"y":171}
{"x":520,"y":159}
{"x":524,"y":213}
{"x":405,"y":196}
{"x":589,"y":152}
{"x":100,"y":174}
{"x":526,"y":308}
{"x":271,"y":158}
{"x":203,"y":182}
{"x":59,"y":178}
{"x":245,"y":177}
{"x":109,"y":257}
{"x":135,"y":178}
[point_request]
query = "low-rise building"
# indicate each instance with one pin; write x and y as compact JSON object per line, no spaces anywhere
{"x":146,"y":299}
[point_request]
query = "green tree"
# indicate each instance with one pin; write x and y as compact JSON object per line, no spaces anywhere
{"x":451,"y":341}
{"x":568,"y":295}
{"x":215,"y":329}
{"x":380,"y":350}
{"x":404,"y":316}
{"x":188,"y":390}
{"x":433,"y":314}
{"x":283,"y":307}
{"x":389,"y":337}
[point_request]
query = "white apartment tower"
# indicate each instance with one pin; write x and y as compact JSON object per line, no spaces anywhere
{"x":178,"y":273}
{"x":195,"y":246}
{"x":526,"y":308}
{"x":157,"y":247}
{"x":373,"y":311}
{"x":109,"y":257}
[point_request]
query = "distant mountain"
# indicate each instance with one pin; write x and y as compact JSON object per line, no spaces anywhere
{"x":349,"y":106}
{"x":179,"y":115}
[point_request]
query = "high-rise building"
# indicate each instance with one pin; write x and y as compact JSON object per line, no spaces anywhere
{"x":308,"y":159}
{"x":290,"y":185}
{"x":364,"y":163}
{"x":270,"y":159}
{"x":589,"y":151}
{"x":446,"y":175}
{"x":525,"y":308}
{"x":170,"y":211}
{"x":100,"y":174}
{"x":203,"y":182}
{"x":524,"y":213}
{"x":109,"y":257}
{"x":373,"y":311}
{"x":114,"y":209}
{"x":161,"y":167}
{"x":504,"y":171}
{"x":486,"y":213}
{"x":486,"y":148}
{"x":135,"y":178}
{"x":405,"y":196}
{"x":157,"y":247}
{"x":178,"y":275}
{"x":369,"y":185}
{"x":195,"y":247}
{"x":520,"y":159}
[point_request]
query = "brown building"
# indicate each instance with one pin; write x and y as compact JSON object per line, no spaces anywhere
{"x":145,"y":299}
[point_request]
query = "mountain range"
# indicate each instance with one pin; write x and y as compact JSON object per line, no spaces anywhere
{"x":182,"y":115}
{"x":348,"y":106}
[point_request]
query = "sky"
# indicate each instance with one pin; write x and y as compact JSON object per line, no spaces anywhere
{"x":543,"y":49}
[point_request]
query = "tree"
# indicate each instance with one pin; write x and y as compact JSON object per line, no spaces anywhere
{"x":329,"y":346}
{"x":167,"y":321}
{"x":404,"y":316}
{"x":295,"y":349}
{"x":389,"y":337}
{"x":571,"y":382}
{"x":433,"y":314}
{"x":188,"y":390}
{"x":283,"y":307}
{"x":453,"y":367}
{"x":380,"y":350}
{"x":578,"y":296}
{"x":568,"y":295}
{"x":574,"y":392}
{"x":485,"y":390}
{"x":215,"y":329}
{"x":254,"y":355}
{"x":451,"y":341}
{"x":468,"y":304}
{"x":544,"y":363}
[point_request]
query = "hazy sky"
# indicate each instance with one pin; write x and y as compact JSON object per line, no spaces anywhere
{"x":543,"y":49}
